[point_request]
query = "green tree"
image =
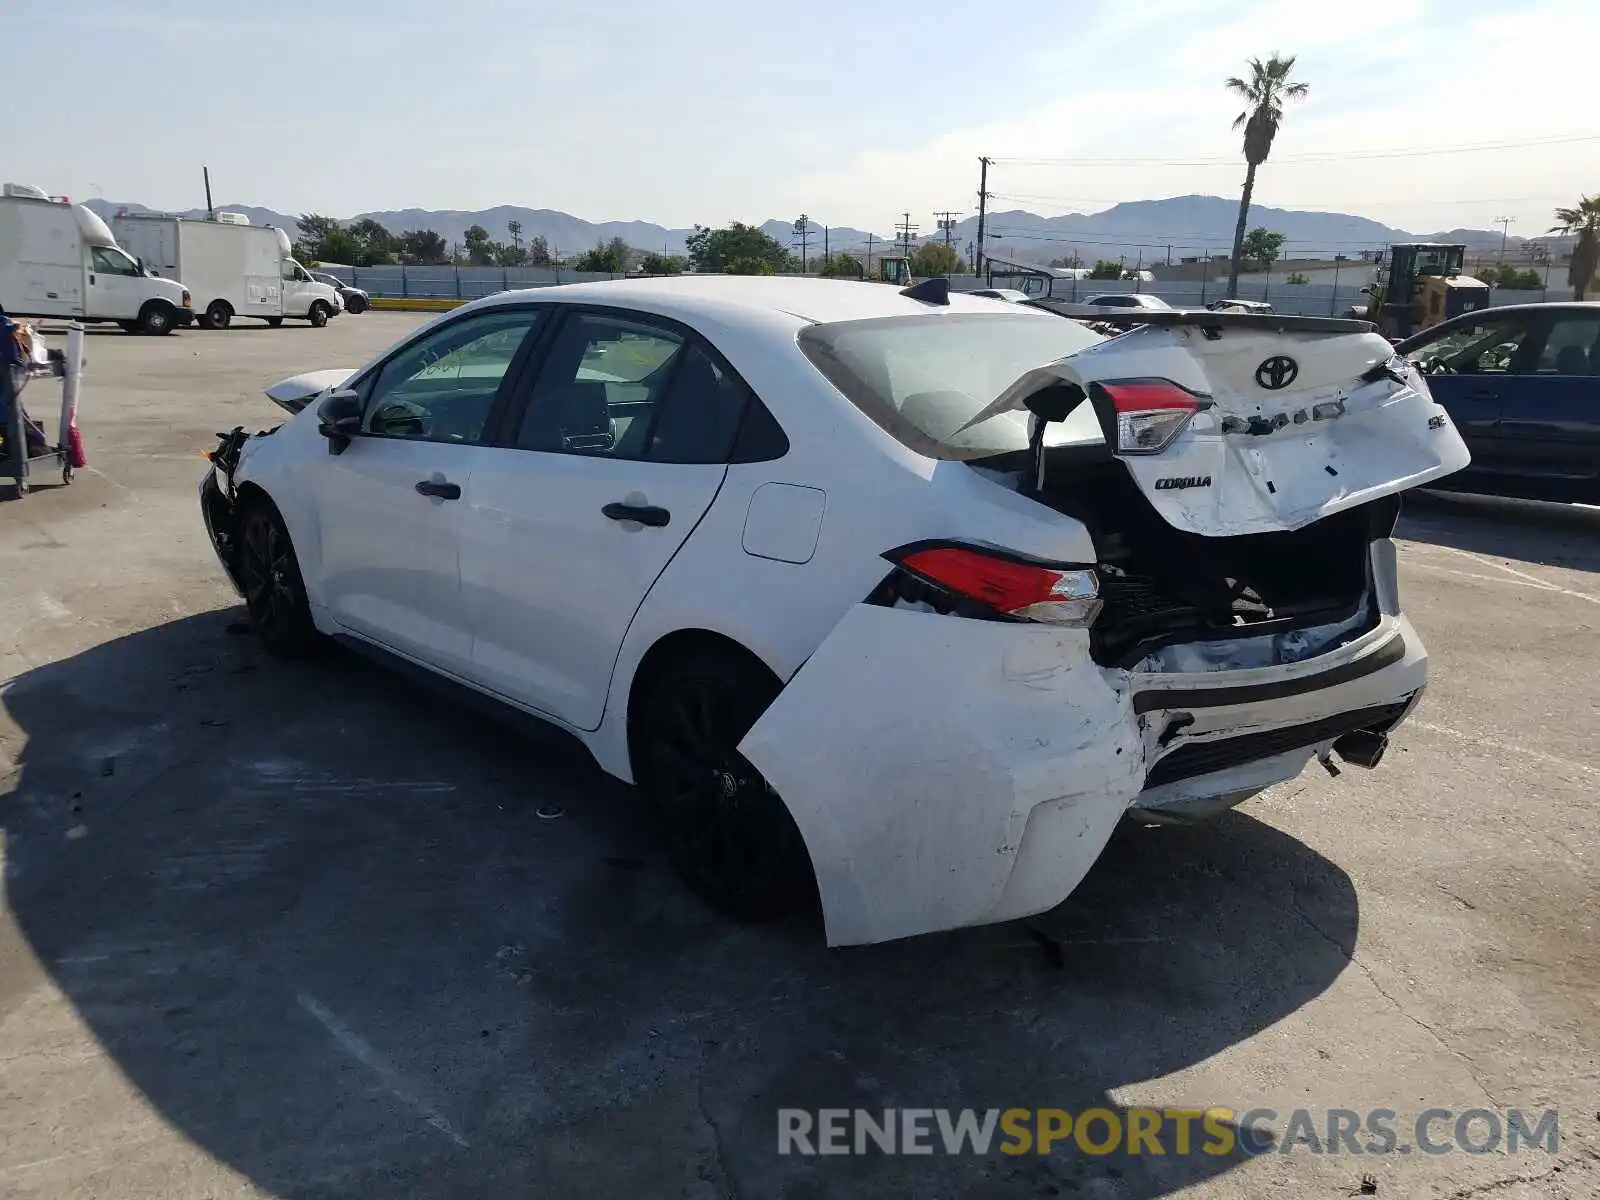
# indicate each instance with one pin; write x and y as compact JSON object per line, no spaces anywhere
{"x":609,"y":257}
{"x":737,"y":249}
{"x":315,"y":230}
{"x":934,"y":258}
{"x":1260,"y":248}
{"x":377,"y":243}
{"x":1296,"y":277}
{"x":509,"y":254}
{"x":480,"y":250}
{"x":422,"y":247}
{"x":662,"y":264}
{"x":1583,"y":220}
{"x":840,"y":266}
{"x":1263,"y":93}
{"x":1106,"y":269}
{"x":539,"y":253}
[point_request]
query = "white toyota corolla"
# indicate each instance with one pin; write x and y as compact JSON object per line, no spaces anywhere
{"x":905,"y":594}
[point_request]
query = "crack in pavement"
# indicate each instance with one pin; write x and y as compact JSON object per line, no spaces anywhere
{"x":1483,"y":1189}
{"x":1466,"y":1061}
{"x":729,"y":1187}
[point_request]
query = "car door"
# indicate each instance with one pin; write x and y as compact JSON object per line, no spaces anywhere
{"x":619,"y":451}
{"x":1549,"y":429}
{"x":1471,"y":365}
{"x":389,"y":507}
{"x":116,"y":287}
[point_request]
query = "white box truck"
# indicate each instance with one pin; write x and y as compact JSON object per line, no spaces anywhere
{"x":60,"y":260}
{"x":233,"y":268}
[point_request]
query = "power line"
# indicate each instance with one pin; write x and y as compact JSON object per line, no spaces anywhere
{"x":1032,"y":198}
{"x":1319,"y":156}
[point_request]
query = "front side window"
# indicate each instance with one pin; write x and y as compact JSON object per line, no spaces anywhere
{"x":600,"y":387}
{"x":441,"y":387}
{"x":922,"y":379}
{"x":110,"y":261}
{"x":1491,"y":346}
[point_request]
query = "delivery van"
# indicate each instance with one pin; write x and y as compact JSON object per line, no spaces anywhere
{"x":233,"y":268}
{"x":59,"y":259}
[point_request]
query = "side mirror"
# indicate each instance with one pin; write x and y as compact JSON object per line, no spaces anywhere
{"x":1366,"y":291}
{"x":339,"y":419}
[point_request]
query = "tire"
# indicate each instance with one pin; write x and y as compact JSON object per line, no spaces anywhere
{"x":218,"y":315}
{"x":275,"y":321}
{"x":156,"y":318}
{"x":129,"y":326}
{"x":728,"y":834}
{"x":355,"y":305}
{"x":275,"y":592}
{"x":319,"y":314}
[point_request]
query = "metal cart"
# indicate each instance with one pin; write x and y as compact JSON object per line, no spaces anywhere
{"x":17,"y":458}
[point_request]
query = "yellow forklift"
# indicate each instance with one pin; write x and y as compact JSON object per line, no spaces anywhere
{"x":1420,"y":285}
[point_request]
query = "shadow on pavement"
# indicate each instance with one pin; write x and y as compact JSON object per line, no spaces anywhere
{"x":1552,"y":535}
{"x":329,"y":927}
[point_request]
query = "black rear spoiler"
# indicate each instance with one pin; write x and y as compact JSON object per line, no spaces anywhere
{"x":1207,"y":320}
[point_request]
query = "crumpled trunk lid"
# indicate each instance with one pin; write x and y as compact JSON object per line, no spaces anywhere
{"x":1294,"y":423}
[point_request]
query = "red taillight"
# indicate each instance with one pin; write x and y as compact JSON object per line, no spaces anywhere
{"x":1150,"y":413}
{"x":1058,"y":594}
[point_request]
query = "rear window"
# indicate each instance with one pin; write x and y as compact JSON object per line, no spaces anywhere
{"x":922,"y":378}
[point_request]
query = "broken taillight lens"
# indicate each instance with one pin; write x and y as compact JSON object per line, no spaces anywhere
{"x":1149,"y":413}
{"x":1005,"y":584}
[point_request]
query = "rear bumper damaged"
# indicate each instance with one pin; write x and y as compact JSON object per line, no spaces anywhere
{"x":948,"y":772}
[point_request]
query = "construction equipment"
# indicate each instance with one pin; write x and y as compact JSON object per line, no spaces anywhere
{"x":896,"y":269}
{"x":1420,"y":285}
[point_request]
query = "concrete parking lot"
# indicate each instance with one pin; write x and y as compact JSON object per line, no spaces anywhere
{"x":307,"y":930}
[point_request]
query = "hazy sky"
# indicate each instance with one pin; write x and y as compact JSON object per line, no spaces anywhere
{"x":680,"y":112}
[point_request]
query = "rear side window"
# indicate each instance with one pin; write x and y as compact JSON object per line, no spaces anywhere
{"x":923,"y":378}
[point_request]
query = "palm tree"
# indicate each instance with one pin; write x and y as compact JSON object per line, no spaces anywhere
{"x":1584,"y":220}
{"x":1263,"y":93}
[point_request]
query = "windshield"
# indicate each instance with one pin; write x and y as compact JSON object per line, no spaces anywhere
{"x":923,"y":378}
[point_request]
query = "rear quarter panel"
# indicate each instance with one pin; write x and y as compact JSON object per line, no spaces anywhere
{"x":879,"y":495}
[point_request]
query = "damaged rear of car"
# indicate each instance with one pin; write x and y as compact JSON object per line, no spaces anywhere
{"x":1221,"y":607}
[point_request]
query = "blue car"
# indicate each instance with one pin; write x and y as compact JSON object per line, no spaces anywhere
{"x":1522,"y":384}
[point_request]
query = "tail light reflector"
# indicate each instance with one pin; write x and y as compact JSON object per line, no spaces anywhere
{"x":1150,"y":413}
{"x":1007,"y":585}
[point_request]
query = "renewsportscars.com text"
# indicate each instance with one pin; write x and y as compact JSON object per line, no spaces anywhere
{"x":1163,"y":1131}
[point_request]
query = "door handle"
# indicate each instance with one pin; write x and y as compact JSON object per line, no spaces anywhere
{"x":439,"y":489}
{"x":91,"y":281}
{"x":645,"y":514}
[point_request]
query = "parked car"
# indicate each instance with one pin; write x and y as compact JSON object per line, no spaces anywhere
{"x":1522,"y":385}
{"x":1259,"y":307}
{"x":356,"y":300}
{"x":1112,"y":303}
{"x":1008,"y":294}
{"x":813,"y":584}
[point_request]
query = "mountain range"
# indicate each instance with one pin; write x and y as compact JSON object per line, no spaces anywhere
{"x":1150,"y":230}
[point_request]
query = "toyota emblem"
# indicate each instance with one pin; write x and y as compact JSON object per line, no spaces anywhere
{"x":1277,"y":372}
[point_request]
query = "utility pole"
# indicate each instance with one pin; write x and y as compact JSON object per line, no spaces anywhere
{"x":1505,"y":228}
{"x":907,"y":230}
{"x":869,"y":256}
{"x":802,"y":230}
{"x":983,"y":205}
{"x":947,"y":225}
{"x":826,"y":253}
{"x":211,"y":213}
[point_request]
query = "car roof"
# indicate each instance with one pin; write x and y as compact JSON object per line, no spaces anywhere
{"x":727,"y":298}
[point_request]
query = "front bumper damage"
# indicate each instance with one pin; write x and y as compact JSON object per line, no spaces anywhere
{"x":219,"y":502}
{"x":949,"y":772}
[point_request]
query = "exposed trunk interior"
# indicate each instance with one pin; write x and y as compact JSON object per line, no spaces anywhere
{"x":1163,"y":586}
